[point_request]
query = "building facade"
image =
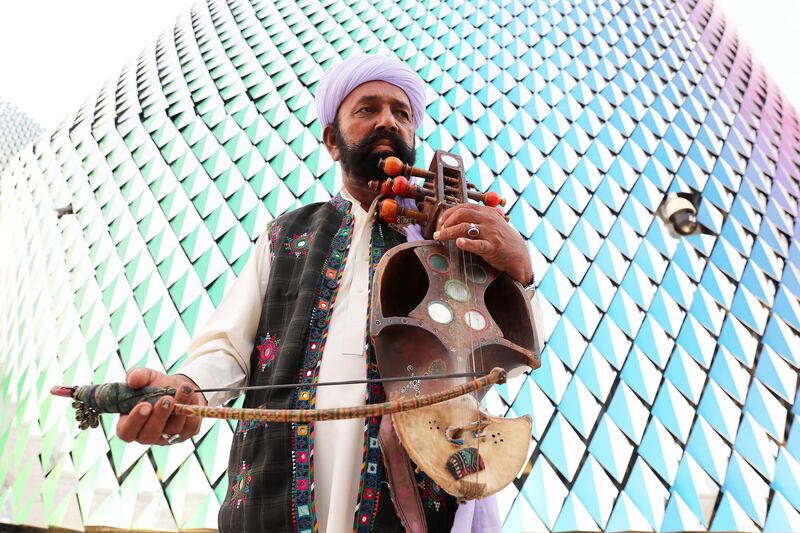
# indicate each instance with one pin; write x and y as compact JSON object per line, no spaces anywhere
{"x":17,"y":130}
{"x":668,"y":394}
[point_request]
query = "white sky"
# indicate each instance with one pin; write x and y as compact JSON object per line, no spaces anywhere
{"x":772,"y":30}
{"x":55,"y":54}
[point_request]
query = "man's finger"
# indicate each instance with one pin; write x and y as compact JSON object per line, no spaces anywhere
{"x":452,"y":232}
{"x":175,"y":423}
{"x":474,"y":246}
{"x":444,"y":217}
{"x":140,"y":377}
{"x":190,"y":428}
{"x":129,"y":425}
{"x":154,"y":427}
{"x":459,"y":213}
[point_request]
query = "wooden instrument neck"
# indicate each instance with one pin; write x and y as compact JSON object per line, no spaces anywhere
{"x":444,"y":186}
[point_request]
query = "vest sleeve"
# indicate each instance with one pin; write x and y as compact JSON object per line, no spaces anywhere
{"x":219,"y":355}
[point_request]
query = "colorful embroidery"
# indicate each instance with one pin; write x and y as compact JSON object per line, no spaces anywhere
{"x":267,"y":350}
{"x":464,"y":462}
{"x":341,"y":205}
{"x":372,"y":465}
{"x":241,"y":486}
{"x":303,"y":434}
{"x":298,"y":244}
{"x":274,"y":231}
{"x":432,"y":495}
{"x":248,"y":425}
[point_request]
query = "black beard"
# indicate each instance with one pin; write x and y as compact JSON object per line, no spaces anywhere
{"x":361,"y":164}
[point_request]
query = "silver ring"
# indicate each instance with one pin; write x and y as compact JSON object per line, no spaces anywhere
{"x":171,"y":439}
{"x":473,"y":231}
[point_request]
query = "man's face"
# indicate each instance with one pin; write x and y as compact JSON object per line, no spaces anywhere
{"x":373,"y":122}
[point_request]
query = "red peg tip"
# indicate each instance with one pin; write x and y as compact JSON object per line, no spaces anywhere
{"x":386,"y":187}
{"x":400,"y":186}
{"x":392,"y":166}
{"x":492,"y":199}
{"x":389,"y":211}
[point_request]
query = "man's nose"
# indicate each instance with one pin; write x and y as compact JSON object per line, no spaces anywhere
{"x":386,"y":120}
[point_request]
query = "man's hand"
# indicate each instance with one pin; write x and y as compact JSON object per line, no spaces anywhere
{"x":497,"y":242}
{"x":148,"y":424}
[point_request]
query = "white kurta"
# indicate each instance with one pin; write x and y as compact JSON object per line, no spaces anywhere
{"x":219,"y":356}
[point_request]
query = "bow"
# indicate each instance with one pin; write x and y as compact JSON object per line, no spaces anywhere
{"x":90,"y":401}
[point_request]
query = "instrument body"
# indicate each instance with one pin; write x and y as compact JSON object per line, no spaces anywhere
{"x":438,"y":310}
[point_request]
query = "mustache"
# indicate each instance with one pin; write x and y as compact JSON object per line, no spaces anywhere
{"x":359,"y":160}
{"x":367,"y":143}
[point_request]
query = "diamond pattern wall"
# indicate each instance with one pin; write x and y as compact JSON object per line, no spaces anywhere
{"x":668,"y":394}
{"x":16,"y":130}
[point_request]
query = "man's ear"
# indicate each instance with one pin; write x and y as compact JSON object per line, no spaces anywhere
{"x":329,"y":138}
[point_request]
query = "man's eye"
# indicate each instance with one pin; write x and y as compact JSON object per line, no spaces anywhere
{"x":365,"y":109}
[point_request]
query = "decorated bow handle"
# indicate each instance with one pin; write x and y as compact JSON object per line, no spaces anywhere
{"x":90,"y":401}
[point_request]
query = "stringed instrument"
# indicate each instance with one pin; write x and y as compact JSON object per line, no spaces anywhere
{"x":437,"y":310}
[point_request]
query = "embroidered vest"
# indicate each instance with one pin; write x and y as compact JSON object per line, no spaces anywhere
{"x":270,"y":471}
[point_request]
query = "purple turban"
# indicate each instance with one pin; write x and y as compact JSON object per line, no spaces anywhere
{"x":342,"y":78}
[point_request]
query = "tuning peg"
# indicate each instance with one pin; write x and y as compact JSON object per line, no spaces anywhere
{"x":492,"y":199}
{"x":392,"y":213}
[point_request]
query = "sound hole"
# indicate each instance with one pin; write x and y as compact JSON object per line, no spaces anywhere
{"x":503,"y":301}
{"x":440,"y":312}
{"x":475,"y":320}
{"x":438,"y":263}
{"x":457,"y":290}
{"x":476,"y":273}
{"x":497,"y":437}
{"x":400,"y":299}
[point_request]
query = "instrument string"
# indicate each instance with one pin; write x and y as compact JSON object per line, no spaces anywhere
{"x":465,"y":257}
{"x":456,"y":274}
{"x":478,"y":428}
{"x":339,"y":383}
{"x":468,"y":266}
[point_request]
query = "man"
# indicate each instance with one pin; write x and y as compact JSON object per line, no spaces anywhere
{"x":298,"y":313}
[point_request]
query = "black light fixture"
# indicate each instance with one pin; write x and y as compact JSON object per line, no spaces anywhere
{"x":678,"y":211}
